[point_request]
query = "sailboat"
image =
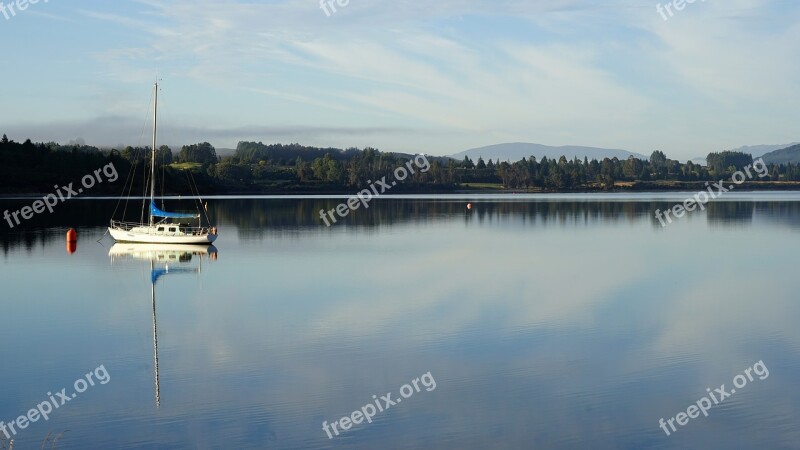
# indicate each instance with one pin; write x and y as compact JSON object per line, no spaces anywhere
{"x":162,"y":227}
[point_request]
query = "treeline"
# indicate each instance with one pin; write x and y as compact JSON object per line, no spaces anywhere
{"x":294,"y":166}
{"x":27,"y":168}
{"x":576,"y":174}
{"x":258,"y":168}
{"x":254,"y":162}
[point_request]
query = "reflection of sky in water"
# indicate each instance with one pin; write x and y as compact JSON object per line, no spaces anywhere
{"x":557,"y":326}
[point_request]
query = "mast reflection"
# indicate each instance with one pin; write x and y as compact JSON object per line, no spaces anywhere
{"x":163,"y":259}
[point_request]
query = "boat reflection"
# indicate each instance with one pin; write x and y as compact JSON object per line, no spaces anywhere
{"x":162,"y":253}
{"x":163,"y":259}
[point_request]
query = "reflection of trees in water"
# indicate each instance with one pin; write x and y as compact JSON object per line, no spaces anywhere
{"x":255,"y":218}
{"x":781,"y":213}
{"x":48,"y":227}
{"x":730,"y":213}
{"x":744,"y":213}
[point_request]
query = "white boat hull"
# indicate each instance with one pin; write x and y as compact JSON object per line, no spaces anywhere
{"x":133,"y":236}
{"x":155,"y":252}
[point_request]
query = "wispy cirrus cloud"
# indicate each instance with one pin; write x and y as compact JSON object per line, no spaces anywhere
{"x":557,"y":72}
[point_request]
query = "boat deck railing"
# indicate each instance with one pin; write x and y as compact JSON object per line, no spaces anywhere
{"x":147,"y":229}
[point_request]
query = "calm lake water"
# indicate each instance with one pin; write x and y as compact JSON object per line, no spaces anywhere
{"x":567,"y":321}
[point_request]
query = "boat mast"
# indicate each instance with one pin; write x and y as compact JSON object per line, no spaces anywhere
{"x":153,"y":164}
{"x":155,"y":336}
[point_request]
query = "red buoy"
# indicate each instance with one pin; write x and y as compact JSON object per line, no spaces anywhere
{"x":72,"y":241}
{"x":469,"y":205}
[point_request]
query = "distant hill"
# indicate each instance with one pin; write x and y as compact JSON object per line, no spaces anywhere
{"x":223,"y":152}
{"x":701,"y":160}
{"x":783,"y":156}
{"x":759,"y":150}
{"x":517,"y":151}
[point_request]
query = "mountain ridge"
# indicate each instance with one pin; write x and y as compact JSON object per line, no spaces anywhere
{"x":783,"y":156}
{"x":515,"y":151}
{"x":762,"y":149}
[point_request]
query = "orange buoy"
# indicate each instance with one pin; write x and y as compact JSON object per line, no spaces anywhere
{"x":72,"y":241}
{"x":469,"y":205}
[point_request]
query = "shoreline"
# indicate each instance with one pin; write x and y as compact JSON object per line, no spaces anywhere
{"x":685,"y":188}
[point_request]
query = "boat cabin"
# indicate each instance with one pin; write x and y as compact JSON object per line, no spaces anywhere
{"x":169,"y":230}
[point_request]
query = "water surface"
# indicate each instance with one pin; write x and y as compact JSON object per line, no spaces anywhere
{"x":568,"y":321}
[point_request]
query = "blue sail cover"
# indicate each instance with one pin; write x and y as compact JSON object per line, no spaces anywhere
{"x":155,"y":274}
{"x":155,"y":212}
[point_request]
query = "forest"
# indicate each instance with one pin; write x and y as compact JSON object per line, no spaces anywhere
{"x":254,"y":167}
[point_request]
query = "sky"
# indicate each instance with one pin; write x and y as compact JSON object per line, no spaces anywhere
{"x":410,"y":76}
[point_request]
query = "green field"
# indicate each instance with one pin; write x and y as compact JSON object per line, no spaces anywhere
{"x":483,"y":186}
{"x":186,"y":166}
